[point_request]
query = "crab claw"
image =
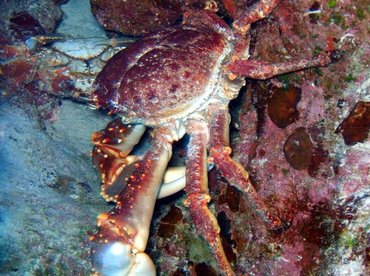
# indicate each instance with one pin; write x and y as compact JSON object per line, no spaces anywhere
{"x":110,"y":154}
{"x":118,"y":246}
{"x":117,"y":259}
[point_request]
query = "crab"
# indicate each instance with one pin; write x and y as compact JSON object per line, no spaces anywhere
{"x":177,"y":81}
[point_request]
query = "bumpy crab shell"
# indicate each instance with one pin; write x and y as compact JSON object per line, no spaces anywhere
{"x":168,"y":74}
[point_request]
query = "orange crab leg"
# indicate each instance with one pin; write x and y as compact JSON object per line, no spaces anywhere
{"x":231,"y":170}
{"x":197,"y":192}
{"x":127,"y":224}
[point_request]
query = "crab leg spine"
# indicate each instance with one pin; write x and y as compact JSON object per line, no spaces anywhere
{"x":231,"y":170}
{"x":197,"y":192}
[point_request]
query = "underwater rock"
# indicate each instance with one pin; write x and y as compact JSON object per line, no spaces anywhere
{"x":282,"y":106}
{"x":138,"y":18}
{"x":78,"y":21}
{"x":298,"y":149}
{"x":22,"y":19}
{"x":49,"y":196}
{"x":50,"y":192}
{"x":25,"y":25}
{"x":169,"y":221}
{"x":132,"y":17}
{"x":355,"y":128}
{"x":349,"y":254}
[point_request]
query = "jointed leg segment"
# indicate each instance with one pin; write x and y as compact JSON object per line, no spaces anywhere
{"x":253,"y":13}
{"x":197,"y":192}
{"x":261,"y":70}
{"x":231,"y":170}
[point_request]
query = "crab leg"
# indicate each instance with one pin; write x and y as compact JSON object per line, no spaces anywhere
{"x":121,"y":240}
{"x":253,"y":13}
{"x":257,"y":69}
{"x":197,"y":192}
{"x":231,"y":170}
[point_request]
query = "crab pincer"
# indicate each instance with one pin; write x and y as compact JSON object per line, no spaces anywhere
{"x":120,"y":243}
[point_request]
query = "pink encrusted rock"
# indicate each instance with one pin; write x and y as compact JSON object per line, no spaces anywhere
{"x":304,"y":196}
{"x":22,"y":19}
{"x":134,"y":18}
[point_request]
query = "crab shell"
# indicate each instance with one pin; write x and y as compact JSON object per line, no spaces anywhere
{"x":172,"y":73}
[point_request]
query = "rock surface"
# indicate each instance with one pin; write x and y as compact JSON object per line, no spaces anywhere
{"x":49,"y":196}
{"x":50,"y":193}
